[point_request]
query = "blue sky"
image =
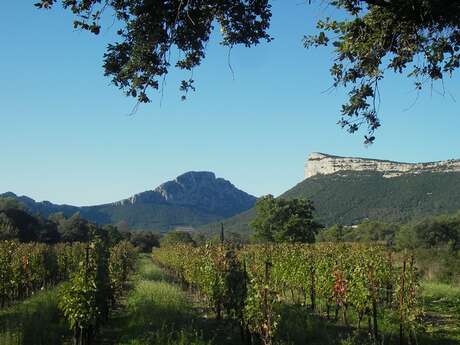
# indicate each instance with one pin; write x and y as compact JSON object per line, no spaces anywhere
{"x":66,"y":135}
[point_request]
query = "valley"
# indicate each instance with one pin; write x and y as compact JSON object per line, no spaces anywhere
{"x":200,"y":262}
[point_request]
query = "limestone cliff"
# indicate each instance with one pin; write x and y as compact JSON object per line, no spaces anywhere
{"x":324,"y":164}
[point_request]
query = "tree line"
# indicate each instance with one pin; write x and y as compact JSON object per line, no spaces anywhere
{"x":16,"y":223}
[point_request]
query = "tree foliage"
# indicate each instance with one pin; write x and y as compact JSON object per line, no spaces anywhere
{"x":151,"y":30}
{"x":18,"y":224}
{"x":145,"y":240}
{"x":280,"y":220}
{"x":435,"y":242}
{"x":440,"y":231}
{"x":368,"y":231}
{"x":7,"y":203}
{"x":176,"y":237}
{"x":419,"y":37}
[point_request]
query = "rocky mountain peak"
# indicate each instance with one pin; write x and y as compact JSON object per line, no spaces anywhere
{"x":192,"y":199}
{"x":325,"y":164}
{"x":8,"y":195}
{"x":198,"y":189}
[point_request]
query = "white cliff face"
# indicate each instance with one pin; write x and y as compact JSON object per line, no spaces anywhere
{"x":319,"y":163}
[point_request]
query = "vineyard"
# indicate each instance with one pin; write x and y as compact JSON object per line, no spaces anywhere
{"x":222,"y":294}
{"x":91,"y":276}
{"x":346,"y":282}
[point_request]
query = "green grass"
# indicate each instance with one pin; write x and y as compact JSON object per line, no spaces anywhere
{"x":149,"y":272}
{"x":442,"y":311}
{"x":35,"y":321}
{"x":158,"y":312}
{"x":439,"y":290}
{"x":441,"y":322}
{"x":155,"y":312}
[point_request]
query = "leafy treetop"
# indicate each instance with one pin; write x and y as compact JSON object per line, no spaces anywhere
{"x":7,"y":203}
{"x":176,"y":237}
{"x":281,"y":220}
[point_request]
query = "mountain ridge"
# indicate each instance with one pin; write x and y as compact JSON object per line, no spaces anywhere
{"x":371,"y":191}
{"x":191,"y":199}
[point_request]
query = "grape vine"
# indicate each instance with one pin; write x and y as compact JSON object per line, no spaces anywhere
{"x":327,"y":278}
{"x":94,"y":276}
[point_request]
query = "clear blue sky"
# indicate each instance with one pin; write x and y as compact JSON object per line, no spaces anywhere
{"x":66,"y":136}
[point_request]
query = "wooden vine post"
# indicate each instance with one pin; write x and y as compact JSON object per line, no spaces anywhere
{"x":222,"y":238}
{"x":401,"y":304}
{"x":267,"y":328}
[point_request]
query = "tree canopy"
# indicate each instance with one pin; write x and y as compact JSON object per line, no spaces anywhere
{"x":176,"y":237}
{"x":7,"y":203}
{"x":431,"y":232}
{"x":420,"y":38}
{"x":145,"y":240}
{"x":417,"y":37}
{"x":151,"y":29}
{"x":281,"y":220}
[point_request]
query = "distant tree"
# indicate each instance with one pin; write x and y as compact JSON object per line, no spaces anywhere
{"x":176,"y":237}
{"x":436,"y":244}
{"x":17,"y":224}
{"x":334,"y":233}
{"x":145,"y":240}
{"x":263,"y":223}
{"x":123,"y":226}
{"x":48,"y":232}
{"x":8,"y":230}
{"x":372,"y":231}
{"x":235,"y":238}
{"x":57,"y":217}
{"x":417,"y":37}
{"x":431,"y":233}
{"x":229,"y":237}
{"x":74,"y":229}
{"x":367,"y":231}
{"x":7,"y":203}
{"x":280,"y":220}
{"x":114,"y":236}
{"x":199,"y":238}
{"x":21,"y":225}
{"x":406,"y":238}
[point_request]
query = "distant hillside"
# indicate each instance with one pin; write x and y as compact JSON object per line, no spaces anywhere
{"x":349,"y":197}
{"x":192,"y":199}
{"x":352,"y":197}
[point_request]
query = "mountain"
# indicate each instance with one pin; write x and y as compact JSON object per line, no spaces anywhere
{"x":192,"y":199}
{"x":324,"y":164}
{"x":348,"y":190}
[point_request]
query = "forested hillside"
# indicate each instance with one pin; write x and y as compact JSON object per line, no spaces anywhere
{"x":351,"y":197}
{"x":192,"y":199}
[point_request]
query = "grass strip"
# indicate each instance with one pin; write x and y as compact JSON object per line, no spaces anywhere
{"x":34,"y":321}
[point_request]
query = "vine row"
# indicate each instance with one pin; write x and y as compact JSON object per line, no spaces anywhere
{"x":249,"y":284}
